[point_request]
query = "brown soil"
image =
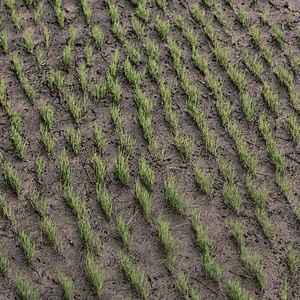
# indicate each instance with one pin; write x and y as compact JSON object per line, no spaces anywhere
{"x":146,"y":248}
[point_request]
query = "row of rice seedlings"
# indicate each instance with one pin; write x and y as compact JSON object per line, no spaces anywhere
{"x":87,"y":10}
{"x":250,"y":260}
{"x":73,"y":138}
{"x":134,"y":274}
{"x":93,"y":273}
{"x":91,"y":242}
{"x":15,"y":15}
{"x":60,"y":12}
{"x":294,"y":61}
{"x":46,"y":139}
{"x":4,"y":263}
{"x":17,"y":67}
{"x":167,"y":241}
{"x":25,"y":289}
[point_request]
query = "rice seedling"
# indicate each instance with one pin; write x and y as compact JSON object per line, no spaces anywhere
{"x":38,"y":13}
{"x":286,"y":189}
{"x":146,"y":172}
{"x":4,"y":263}
{"x":154,"y":70}
{"x":99,"y":168}
{"x":113,"y":13}
{"x":276,"y":155}
{"x":191,"y":37}
{"x":24,"y":288}
{"x":67,"y":285}
{"x":266,"y":224}
{"x":266,"y":18}
{"x":285,"y":288}
{"x":46,"y":139}
{"x":144,"y":198}
{"x":237,"y":232}
{"x":39,"y":55}
{"x":78,"y":208}
{"x":50,"y":231}
{"x":99,"y":138}
{"x":283,"y":76}
{"x":298,"y":32}
{"x":9,"y":4}
{"x":231,"y":196}
{"x":134,"y":274}
{"x":39,"y":166}
{"x":181,"y":284}
{"x":271,"y":97}
{"x":67,"y":56}
{"x":221,"y":54}
{"x":46,"y":113}
{"x":198,"y":15}
{"x":235,"y":291}
{"x":27,"y":245}
{"x":134,"y":77}
{"x":104,"y":199}
{"x":73,"y":138}
{"x":72,"y":36}
{"x":12,"y":177}
{"x":60,"y":15}
{"x":267,"y":53}
{"x":208,"y":3}
{"x":254,"y":267}
{"x":293,"y":127}
{"x":56,"y":81}
{"x":178,"y":20}
{"x":293,"y":259}
{"x":209,"y":30}
{"x":41,"y":205}
{"x":162,"y":27}
{"x":142,"y":11}
{"x":200,"y":61}
{"x":258,"y":195}
{"x":184,"y":145}
{"x":91,"y":242}
{"x":83,"y":76}
{"x":248,"y":105}
{"x":174,"y":196}
{"x":16,"y":18}
{"x":4,"y":41}
{"x":87,"y":10}
{"x":215,"y":83}
{"x":237,"y":77}
{"x":167,"y":241}
{"x":29,"y":89}
{"x":253,"y":62}
{"x":229,"y":2}
{"x":211,"y":266}
{"x":210,"y":143}
{"x":88,"y":51}
{"x":277,"y":34}
{"x":243,"y":17}
{"x":46,"y":34}
{"x":256,"y":37}
{"x":133,"y":52}
{"x":203,"y":181}
{"x":122,"y":169}
{"x":224,"y":109}
{"x":20,"y":146}
{"x":202,"y":238}
{"x":119,"y":31}
{"x":75,"y":108}
{"x":288,"y":19}
{"x":94,"y":274}
{"x":124,"y":232}
{"x":17,"y":65}
{"x":162,"y":4}
{"x":114,"y":88}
